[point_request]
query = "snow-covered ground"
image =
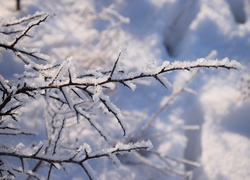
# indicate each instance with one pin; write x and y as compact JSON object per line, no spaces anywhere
{"x":149,"y":32}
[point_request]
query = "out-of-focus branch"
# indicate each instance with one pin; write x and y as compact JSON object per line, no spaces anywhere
{"x":166,"y":104}
{"x":34,"y":20}
{"x":18,"y":5}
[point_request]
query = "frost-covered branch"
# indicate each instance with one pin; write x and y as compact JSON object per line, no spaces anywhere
{"x":81,"y":95}
{"x":11,"y":39}
{"x":28,"y":28}
{"x":71,"y":102}
{"x":61,"y":88}
{"x":79,"y":157}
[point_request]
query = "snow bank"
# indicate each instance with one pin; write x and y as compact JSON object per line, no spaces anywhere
{"x":225,"y":142}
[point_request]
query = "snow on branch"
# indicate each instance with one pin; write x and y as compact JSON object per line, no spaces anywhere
{"x":79,"y":157}
{"x":11,"y":39}
{"x":74,"y":103}
{"x":23,"y":19}
{"x":180,"y":65}
{"x":20,"y":152}
{"x":63,"y":87}
{"x":97,"y":79}
{"x":28,"y":28}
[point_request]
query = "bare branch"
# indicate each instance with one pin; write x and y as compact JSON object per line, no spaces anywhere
{"x":49,"y":172}
{"x":112,"y":72}
{"x":115,"y":114}
{"x":58,"y":136}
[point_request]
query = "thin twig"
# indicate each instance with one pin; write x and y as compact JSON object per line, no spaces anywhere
{"x":112,"y":72}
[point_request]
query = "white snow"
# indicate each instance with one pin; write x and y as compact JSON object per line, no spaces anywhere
{"x":223,"y":134}
{"x":94,"y":32}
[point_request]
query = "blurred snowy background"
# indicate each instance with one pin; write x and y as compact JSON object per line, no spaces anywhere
{"x":148,"y":32}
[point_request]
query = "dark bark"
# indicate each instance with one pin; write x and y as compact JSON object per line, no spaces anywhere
{"x":18,"y":5}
